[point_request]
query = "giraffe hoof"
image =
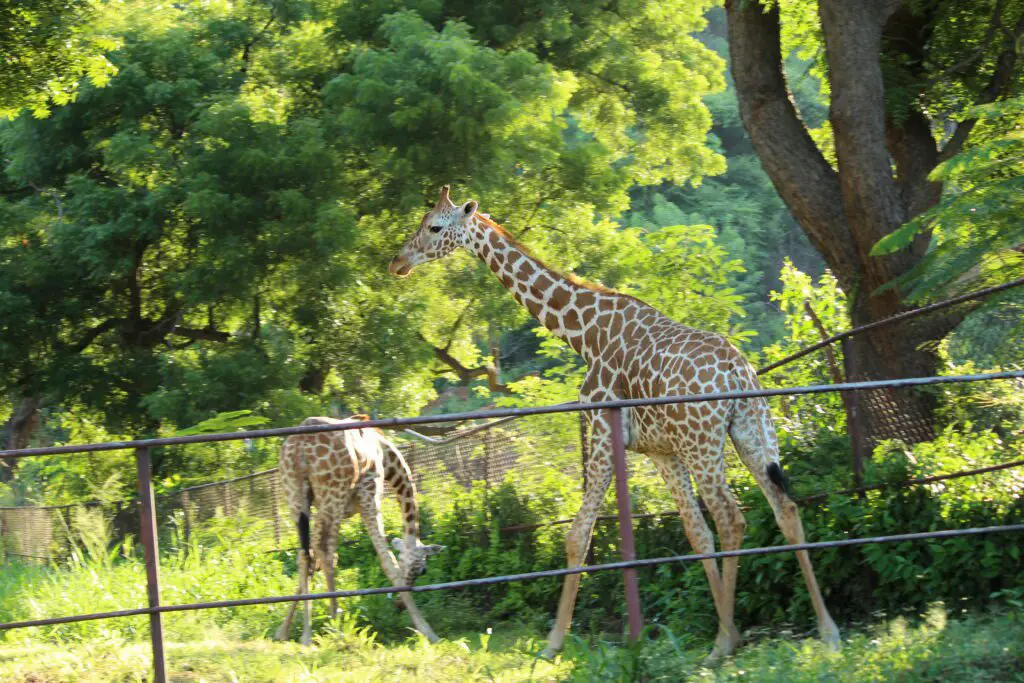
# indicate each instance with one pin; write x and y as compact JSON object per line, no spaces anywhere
{"x":832,"y":640}
{"x":549,"y":653}
{"x":725,"y":644}
{"x":282,"y":634}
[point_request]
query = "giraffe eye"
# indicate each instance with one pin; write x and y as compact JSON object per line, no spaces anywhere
{"x":435,"y":228}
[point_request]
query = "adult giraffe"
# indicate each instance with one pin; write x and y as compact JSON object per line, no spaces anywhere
{"x":634,"y":351}
{"x":341,"y":472}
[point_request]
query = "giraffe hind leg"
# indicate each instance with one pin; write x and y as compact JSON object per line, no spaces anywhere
{"x":753,"y":434}
{"x":677,"y":478}
{"x":304,"y":567}
{"x":731,"y":525}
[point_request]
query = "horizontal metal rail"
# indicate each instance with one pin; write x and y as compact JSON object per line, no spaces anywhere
{"x":528,"y":576}
{"x":931,"y":308}
{"x":510,"y":412}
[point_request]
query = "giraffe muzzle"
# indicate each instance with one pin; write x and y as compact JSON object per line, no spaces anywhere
{"x":399,"y":267}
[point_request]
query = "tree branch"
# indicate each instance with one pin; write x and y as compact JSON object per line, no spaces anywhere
{"x":247,"y":49}
{"x":458,"y":323}
{"x":906,"y":36}
{"x":94,"y":333}
{"x":205,"y":334}
{"x":795,"y":165}
{"x":914,"y":151}
{"x":964,"y":65}
{"x":871,"y":197}
{"x":998,"y":86}
{"x":467,"y":375}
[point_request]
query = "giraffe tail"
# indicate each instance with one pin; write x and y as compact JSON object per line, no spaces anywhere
{"x":778,"y":477}
{"x":304,"y":533}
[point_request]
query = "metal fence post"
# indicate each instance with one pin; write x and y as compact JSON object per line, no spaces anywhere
{"x":851,"y":399}
{"x":628,"y":546}
{"x":275,"y":505}
{"x":186,"y":502}
{"x":150,"y":544}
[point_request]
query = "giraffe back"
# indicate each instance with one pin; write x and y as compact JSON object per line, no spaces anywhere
{"x":648,"y":354}
{"x":326,"y":467}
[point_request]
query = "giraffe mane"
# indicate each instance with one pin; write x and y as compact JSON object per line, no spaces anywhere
{"x":571,"y":277}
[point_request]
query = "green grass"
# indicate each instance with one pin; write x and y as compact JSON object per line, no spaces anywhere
{"x":374,"y":641}
{"x":931,"y":648}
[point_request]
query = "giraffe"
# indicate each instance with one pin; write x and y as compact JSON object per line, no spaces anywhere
{"x":343,"y":471}
{"x":634,"y":351}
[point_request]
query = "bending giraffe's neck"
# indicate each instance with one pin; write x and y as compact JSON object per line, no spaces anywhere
{"x":397,"y":473}
{"x":564,"y":306}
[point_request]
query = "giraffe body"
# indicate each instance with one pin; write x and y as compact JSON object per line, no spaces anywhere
{"x":342,"y":473}
{"x":634,"y":351}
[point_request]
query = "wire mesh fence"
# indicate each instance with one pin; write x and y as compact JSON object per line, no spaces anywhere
{"x":530,"y":450}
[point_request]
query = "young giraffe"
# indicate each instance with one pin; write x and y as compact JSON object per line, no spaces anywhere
{"x":340,"y":472}
{"x":634,"y":351}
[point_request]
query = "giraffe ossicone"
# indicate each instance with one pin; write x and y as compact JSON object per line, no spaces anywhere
{"x":342,"y":472}
{"x":634,"y":351}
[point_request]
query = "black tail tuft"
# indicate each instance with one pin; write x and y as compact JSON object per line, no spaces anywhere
{"x":304,"y":532}
{"x":777,"y":477}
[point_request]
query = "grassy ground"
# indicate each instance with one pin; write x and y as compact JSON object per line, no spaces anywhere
{"x":932,"y":648}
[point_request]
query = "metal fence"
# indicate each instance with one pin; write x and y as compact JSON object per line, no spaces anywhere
{"x":148,"y":528}
{"x":465,"y":462}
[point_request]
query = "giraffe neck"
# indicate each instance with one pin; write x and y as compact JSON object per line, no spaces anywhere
{"x":561,"y":305}
{"x":397,"y":473}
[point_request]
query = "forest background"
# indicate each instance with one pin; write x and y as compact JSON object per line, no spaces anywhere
{"x":198,"y":204}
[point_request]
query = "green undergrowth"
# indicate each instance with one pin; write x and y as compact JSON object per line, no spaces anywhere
{"x":931,"y":647}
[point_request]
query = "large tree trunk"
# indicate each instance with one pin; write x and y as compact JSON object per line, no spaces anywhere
{"x":846,"y":210}
{"x":18,"y":431}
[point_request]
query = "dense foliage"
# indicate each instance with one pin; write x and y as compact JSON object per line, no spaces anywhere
{"x":47,"y":47}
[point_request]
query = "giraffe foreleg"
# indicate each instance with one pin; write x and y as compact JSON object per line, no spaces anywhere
{"x":599,"y":477}
{"x":369,"y":495}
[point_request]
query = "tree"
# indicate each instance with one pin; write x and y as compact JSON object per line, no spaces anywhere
{"x":45,"y":48}
{"x":901,"y":78}
{"x":210,"y":231}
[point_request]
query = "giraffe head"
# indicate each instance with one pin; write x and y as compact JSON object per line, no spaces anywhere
{"x":442,"y":231}
{"x":412,"y":558}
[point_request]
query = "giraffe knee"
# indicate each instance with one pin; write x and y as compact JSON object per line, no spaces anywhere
{"x":576,"y":547}
{"x":700,"y":537}
{"x":739,"y":524}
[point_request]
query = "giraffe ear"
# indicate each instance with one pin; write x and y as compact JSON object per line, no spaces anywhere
{"x":469,"y":208}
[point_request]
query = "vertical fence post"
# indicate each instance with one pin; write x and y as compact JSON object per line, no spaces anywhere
{"x":186,"y":503}
{"x":147,"y":534}
{"x":626,"y":527}
{"x":584,"y":460}
{"x":851,"y":399}
{"x":275,"y":505}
